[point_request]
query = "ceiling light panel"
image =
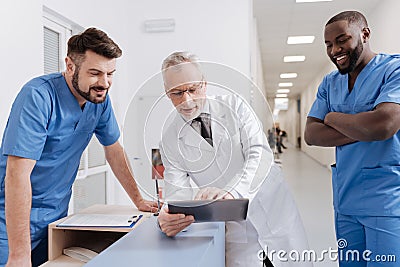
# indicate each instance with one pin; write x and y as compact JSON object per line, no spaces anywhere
{"x":281,"y":95}
{"x":294,"y":58}
{"x":285,"y":84}
{"x":283,"y":91}
{"x":300,"y":39}
{"x":288,"y":75}
{"x":312,"y":1}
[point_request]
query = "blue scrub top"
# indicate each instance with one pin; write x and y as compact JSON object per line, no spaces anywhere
{"x":366,"y":178}
{"x":47,"y":124}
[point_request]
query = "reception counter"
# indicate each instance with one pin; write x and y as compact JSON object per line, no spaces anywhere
{"x":201,"y":244}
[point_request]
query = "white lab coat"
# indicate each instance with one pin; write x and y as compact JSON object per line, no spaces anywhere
{"x":239,"y":161}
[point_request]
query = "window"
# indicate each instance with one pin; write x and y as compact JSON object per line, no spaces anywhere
{"x":90,"y":184}
{"x":55,"y":37}
{"x":51,"y":51}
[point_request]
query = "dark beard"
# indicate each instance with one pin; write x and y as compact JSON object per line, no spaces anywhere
{"x":87,"y":95}
{"x":354,"y":56}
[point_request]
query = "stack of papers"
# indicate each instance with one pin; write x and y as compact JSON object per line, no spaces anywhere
{"x":79,"y":253}
{"x":100,"y":220}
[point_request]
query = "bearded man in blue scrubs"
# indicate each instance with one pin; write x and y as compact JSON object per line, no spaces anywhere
{"x":357,"y":111}
{"x":51,"y":122}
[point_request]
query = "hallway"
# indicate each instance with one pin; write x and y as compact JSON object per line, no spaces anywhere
{"x":310,"y":183}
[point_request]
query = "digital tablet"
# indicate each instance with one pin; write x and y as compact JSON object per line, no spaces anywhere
{"x":212,"y":210}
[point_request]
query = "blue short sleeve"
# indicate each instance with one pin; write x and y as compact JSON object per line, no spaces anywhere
{"x":107,"y":130}
{"x":26,"y":129}
{"x":390,"y":90}
{"x":320,"y":106}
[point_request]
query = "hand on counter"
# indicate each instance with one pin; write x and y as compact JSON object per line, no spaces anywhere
{"x":146,"y":205}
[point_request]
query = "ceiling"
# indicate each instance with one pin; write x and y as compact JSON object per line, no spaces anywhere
{"x":278,"y":19}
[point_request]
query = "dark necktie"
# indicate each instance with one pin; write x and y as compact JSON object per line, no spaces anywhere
{"x":205,"y":126}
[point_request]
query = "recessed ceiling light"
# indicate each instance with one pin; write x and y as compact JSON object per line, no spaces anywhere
{"x":310,"y":1}
{"x":300,"y":39}
{"x":283,"y":91}
{"x":281,"y":95}
{"x":285,"y":84}
{"x":288,"y":75}
{"x":294,"y":58}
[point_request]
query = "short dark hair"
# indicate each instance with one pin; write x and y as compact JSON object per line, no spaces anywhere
{"x":351,"y":17}
{"x":95,"y":40}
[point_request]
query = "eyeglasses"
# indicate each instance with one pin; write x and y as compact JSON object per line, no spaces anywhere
{"x":192,"y":90}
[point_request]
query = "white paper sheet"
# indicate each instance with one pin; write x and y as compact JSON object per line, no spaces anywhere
{"x":100,"y":220}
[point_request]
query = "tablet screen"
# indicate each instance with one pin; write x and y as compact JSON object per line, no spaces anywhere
{"x":212,"y":210}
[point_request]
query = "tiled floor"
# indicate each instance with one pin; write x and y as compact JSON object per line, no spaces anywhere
{"x":310,"y":183}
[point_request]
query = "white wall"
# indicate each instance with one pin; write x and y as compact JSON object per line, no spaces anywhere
{"x":22,"y":49}
{"x":258,"y":95}
{"x":289,"y":121}
{"x":384,"y":22}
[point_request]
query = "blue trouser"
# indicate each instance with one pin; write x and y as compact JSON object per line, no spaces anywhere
{"x":368,"y":241}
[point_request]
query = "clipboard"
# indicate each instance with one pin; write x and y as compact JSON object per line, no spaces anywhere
{"x":212,"y":210}
{"x":101,"y":220}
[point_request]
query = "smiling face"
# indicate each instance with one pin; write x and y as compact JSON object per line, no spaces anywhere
{"x":345,"y":45}
{"x":185,"y":86}
{"x":90,"y":79}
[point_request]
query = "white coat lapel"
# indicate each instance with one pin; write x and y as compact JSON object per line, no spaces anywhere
{"x":189,"y":137}
{"x":197,"y":154}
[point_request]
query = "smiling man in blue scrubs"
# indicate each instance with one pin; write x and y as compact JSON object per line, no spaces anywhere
{"x":51,"y":122}
{"x":357,"y":110}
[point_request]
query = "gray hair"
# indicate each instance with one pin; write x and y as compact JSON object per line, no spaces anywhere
{"x":181,"y":57}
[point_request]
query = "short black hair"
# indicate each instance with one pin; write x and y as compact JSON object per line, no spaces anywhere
{"x":352,"y":17}
{"x":95,"y":40}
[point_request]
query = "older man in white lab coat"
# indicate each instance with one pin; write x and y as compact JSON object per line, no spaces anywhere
{"x":226,"y":155}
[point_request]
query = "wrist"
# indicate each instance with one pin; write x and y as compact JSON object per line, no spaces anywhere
{"x":137,"y":201}
{"x":19,"y":256}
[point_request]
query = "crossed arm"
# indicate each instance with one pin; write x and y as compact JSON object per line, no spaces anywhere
{"x":339,"y":129}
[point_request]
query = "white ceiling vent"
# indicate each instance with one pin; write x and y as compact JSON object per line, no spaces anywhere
{"x":159,"y":25}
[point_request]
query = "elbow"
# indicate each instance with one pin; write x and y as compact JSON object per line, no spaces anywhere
{"x":308,"y":142}
{"x":379,"y":133}
{"x":312,"y":131}
{"x":389,"y":130}
{"x":384,"y":133}
{"x":308,"y":138}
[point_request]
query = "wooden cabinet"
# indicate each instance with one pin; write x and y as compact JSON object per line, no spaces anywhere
{"x":88,"y":237}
